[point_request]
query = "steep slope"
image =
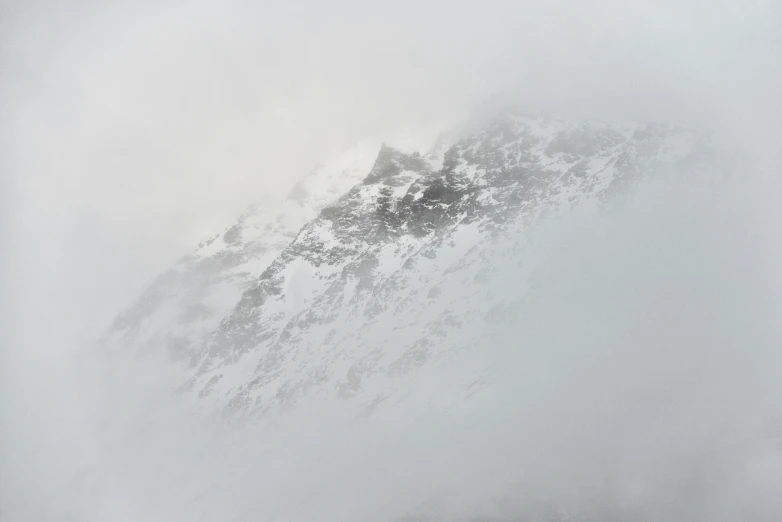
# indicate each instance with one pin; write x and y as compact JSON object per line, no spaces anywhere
{"x":389,"y":279}
{"x":184,"y":304}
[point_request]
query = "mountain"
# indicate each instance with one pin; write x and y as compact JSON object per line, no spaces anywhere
{"x":398,"y":273}
{"x":444,"y":337}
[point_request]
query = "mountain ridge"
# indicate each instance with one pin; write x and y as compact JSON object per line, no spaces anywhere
{"x":377,"y":251}
{"x":187,"y":301}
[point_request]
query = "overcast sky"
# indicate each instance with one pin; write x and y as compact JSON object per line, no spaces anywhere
{"x":131,"y":130}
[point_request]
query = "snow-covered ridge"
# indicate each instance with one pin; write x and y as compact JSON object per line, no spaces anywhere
{"x":187,"y":302}
{"x":376,"y":287}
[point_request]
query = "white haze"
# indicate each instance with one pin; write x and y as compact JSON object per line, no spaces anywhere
{"x":131,"y":131}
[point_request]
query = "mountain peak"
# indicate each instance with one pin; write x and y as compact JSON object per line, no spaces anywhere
{"x":391,"y":162}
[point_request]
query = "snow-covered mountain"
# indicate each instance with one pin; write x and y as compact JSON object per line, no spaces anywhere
{"x":348,"y":305}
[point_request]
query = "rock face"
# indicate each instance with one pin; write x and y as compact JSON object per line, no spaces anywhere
{"x":387,"y":279}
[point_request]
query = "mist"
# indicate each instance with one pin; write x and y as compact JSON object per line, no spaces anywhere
{"x":639,"y":383}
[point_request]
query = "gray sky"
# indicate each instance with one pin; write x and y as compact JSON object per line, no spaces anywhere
{"x":132,"y":130}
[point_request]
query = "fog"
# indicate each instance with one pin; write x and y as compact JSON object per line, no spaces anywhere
{"x":647,"y":386}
